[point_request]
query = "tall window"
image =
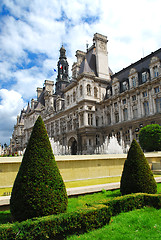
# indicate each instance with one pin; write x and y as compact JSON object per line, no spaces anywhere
{"x":134,"y":81}
{"x":158,"y":104}
{"x":97,"y":121}
{"x":134,"y":98}
{"x":156,"y":89}
{"x":124,"y":86}
{"x":74,"y":97}
{"x":115,"y":105}
{"x":97,"y":139}
{"x":145,"y":94}
{"x":144,"y":77}
{"x":90,"y":119}
{"x":146,"y":108}
{"x":116,"y":117}
{"x":135,"y":112}
{"x":89,"y":90}
{"x":68,"y":100}
{"x":155,"y":70}
{"x":108,"y":119}
{"x":81,"y":90}
{"x":124,"y":101}
{"x":95,"y":92}
{"x":81,"y":119}
{"x":125,"y":114}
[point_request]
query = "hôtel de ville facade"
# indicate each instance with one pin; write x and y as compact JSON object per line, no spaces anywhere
{"x":84,"y":111}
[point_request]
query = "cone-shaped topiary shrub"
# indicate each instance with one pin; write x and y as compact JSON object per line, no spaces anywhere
{"x":38,"y":189}
{"x":137,"y":175}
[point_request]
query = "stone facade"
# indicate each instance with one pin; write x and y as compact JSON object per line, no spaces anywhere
{"x":84,"y":112}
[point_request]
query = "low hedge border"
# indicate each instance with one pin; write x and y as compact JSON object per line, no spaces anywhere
{"x":62,"y":225}
{"x":133,"y":201}
{"x":57,"y":226}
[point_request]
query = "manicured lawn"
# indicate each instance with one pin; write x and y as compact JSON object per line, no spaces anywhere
{"x":96,"y":181}
{"x":90,"y":182}
{"x":75,"y":203}
{"x":138,"y":224}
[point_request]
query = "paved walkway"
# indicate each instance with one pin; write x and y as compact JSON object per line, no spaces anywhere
{"x":5,"y":200}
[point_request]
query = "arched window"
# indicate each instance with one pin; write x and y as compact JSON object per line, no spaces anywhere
{"x":81,"y":90}
{"x":89,"y":90}
{"x":95,"y":92}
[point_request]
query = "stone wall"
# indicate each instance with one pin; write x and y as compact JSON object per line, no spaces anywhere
{"x":73,"y":168}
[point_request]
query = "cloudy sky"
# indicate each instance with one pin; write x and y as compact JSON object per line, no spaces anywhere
{"x":32,"y":32}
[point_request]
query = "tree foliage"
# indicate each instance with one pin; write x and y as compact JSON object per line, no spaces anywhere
{"x":150,"y":138}
{"x":137,"y":175}
{"x":38,"y":189}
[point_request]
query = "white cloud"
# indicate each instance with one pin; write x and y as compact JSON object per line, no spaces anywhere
{"x":11,"y":103}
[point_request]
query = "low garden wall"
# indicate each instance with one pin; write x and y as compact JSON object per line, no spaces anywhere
{"x":75,"y":167}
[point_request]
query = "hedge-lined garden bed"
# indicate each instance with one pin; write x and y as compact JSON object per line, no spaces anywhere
{"x":62,"y":225}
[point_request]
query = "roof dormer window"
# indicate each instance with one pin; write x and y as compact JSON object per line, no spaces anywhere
{"x":144,"y":77}
{"x":155,"y":70}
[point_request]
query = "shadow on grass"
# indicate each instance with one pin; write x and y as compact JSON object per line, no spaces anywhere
{"x":5,"y":217}
{"x":112,"y":194}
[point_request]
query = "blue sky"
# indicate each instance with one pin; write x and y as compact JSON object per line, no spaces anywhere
{"x":32,"y":32}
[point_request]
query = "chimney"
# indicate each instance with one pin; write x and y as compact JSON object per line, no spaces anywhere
{"x":39,"y":91}
{"x":100,"y":42}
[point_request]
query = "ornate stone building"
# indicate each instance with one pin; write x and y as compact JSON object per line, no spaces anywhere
{"x":84,"y":112}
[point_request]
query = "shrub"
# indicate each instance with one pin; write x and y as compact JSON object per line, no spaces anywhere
{"x":58,"y":226}
{"x":137,"y":175}
{"x":38,"y":189}
{"x":150,"y":138}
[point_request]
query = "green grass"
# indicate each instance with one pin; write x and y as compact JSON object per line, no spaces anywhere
{"x":138,"y":224}
{"x":75,"y":203}
{"x":5,"y":217}
{"x":89,"y":182}
{"x":95,"y":181}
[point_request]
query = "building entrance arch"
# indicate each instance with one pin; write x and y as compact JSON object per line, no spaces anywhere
{"x":73,"y":145}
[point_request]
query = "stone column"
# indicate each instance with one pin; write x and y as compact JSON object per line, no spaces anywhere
{"x":85,"y":119}
{"x":120,"y":115}
{"x":112,"y":115}
{"x":151,"y":109}
{"x":139,"y":107}
{"x":131,"y":136}
{"x":94,"y":119}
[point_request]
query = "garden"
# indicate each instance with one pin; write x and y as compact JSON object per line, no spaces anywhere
{"x":40,"y":208}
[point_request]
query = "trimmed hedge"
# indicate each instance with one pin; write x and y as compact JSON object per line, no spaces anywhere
{"x":62,"y":225}
{"x":137,"y":175}
{"x":57,"y":226}
{"x":38,"y":189}
{"x":150,"y":138}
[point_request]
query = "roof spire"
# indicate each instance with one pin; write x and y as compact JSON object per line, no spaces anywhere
{"x":87,"y":45}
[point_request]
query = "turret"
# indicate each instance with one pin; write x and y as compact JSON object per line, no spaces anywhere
{"x":63,"y":77}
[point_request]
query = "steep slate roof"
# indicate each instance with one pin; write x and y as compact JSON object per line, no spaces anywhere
{"x":41,"y":98}
{"x":89,"y":62}
{"x":140,"y":65}
{"x":28,"y":108}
